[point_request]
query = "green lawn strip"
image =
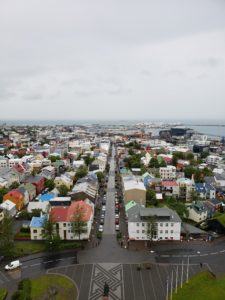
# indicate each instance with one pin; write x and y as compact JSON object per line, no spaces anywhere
{"x":29,"y":248}
{"x":203,"y":286}
{"x":220,"y":218}
{"x":64,"y":285}
{"x":3,"y":293}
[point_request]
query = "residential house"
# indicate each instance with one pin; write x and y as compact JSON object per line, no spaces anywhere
{"x":38,"y":181}
{"x":64,"y":216}
{"x":214,"y":206}
{"x":63,"y":180}
{"x":146,"y":177}
{"x":8,"y":207}
{"x":166,"y":221}
{"x":197,"y":211}
{"x":15,"y":196}
{"x":186,"y":187}
{"x":205,"y":191}
{"x":170,"y":188}
{"x":1,"y":214}
{"x":36,"y":227}
{"x":133,"y":189}
{"x":38,"y":205}
{"x":31,"y":189}
{"x":167,"y":173}
{"x":48,"y":172}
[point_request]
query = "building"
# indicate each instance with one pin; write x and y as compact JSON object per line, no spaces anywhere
{"x":37,"y":181}
{"x":38,"y":205}
{"x":63,"y":216}
{"x":166,"y":221}
{"x":9,"y":207}
{"x":167,"y":173}
{"x":170,"y":188}
{"x":186,"y":187}
{"x":205,"y":190}
{"x":134,"y":189}
{"x":197,"y":212}
{"x":36,"y":227}
{"x":63,"y":180}
{"x":16,"y":197}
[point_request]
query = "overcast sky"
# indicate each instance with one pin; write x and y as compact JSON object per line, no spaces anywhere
{"x":112,"y":59}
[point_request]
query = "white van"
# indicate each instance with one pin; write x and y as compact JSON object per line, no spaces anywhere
{"x":13,"y":265}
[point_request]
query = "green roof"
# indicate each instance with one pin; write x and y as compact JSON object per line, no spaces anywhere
{"x":130,"y":205}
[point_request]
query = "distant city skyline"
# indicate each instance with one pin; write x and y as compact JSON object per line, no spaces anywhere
{"x":98,"y":60}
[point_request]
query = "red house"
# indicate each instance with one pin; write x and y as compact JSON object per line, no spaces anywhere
{"x":38,"y":182}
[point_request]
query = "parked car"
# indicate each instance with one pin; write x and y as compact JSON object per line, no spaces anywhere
{"x":102,"y":215}
{"x":100,"y":228}
{"x":18,"y":215}
{"x":13,"y":265}
{"x":103,"y":208}
{"x":117,"y":227}
{"x":116,"y":210}
{"x":116,"y":221}
{"x":117,"y":216}
{"x":102,"y":220}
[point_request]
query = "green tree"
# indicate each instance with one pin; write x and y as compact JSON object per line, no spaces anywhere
{"x":78,"y":225}
{"x":154,"y":163}
{"x":6,"y":235}
{"x":178,"y":206}
{"x":14,"y":185}
{"x":54,"y":158}
{"x":151,"y":228}
{"x":63,"y":190}
{"x":204,"y":154}
{"x":88,"y":160}
{"x":162,"y":164}
{"x":50,"y":233}
{"x":3,"y":191}
{"x":49,"y":183}
{"x":100,"y":176}
{"x":81,"y":172}
{"x":151,"y":197}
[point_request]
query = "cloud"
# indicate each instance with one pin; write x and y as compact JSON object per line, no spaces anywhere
{"x":210,"y":62}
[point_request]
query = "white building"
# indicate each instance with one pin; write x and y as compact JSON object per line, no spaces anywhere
{"x":186,"y":187}
{"x":197,"y":212}
{"x":213,"y":160}
{"x":167,"y":223}
{"x":167,"y":173}
{"x":9,"y":207}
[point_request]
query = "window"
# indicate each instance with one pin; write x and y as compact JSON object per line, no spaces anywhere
{"x":64,"y":224}
{"x":143,"y":231}
{"x":137,"y":224}
{"x":166,"y":231}
{"x":167,"y":224}
{"x":143,"y":224}
{"x":161,"y":231}
{"x":161,"y":224}
{"x":35,"y":231}
{"x":171,"y":231}
{"x":171,"y":224}
{"x":137,"y":231}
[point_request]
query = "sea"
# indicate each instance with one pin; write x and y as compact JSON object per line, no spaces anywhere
{"x":214,"y":128}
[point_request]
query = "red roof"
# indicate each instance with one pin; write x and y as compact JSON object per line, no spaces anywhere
{"x":66,"y":214}
{"x":169,"y":183}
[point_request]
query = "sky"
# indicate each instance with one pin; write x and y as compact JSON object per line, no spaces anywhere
{"x":112,"y":59}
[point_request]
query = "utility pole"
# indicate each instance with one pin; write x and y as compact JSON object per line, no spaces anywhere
{"x":171,"y":287}
{"x":176,"y":278}
{"x":187,"y":269}
{"x":182,"y":273}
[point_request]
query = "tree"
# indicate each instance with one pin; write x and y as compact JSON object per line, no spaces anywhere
{"x":6,"y":235}
{"x":151,"y":197}
{"x":154,"y":163}
{"x":49,"y":183}
{"x":100,"y":176}
{"x":14,"y":185}
{"x":3,"y":191}
{"x":63,"y":190}
{"x":88,"y":160}
{"x":81,"y":172}
{"x":162,"y":164}
{"x":50,"y":233}
{"x":178,"y":206}
{"x":204,"y":154}
{"x":54,"y":158}
{"x":78,"y":225}
{"x":151,"y":228}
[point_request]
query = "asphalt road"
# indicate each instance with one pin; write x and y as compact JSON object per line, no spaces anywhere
{"x":109,"y":226}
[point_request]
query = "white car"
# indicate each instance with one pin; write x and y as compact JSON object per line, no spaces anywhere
{"x":103,"y":208}
{"x":116,"y":216}
{"x":13,"y":265}
{"x":117,"y":227}
{"x":100,"y":228}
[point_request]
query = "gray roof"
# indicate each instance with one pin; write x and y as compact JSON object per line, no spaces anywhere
{"x":187,"y":228}
{"x":138,"y":213}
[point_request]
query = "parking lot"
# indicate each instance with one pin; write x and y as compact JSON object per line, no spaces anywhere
{"x":126,"y":282}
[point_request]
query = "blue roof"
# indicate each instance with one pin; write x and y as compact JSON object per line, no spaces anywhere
{"x":200,"y":188}
{"x":46,"y":197}
{"x":37,"y":222}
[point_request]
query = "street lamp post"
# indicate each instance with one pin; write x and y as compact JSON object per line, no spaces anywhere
{"x":187,"y":269}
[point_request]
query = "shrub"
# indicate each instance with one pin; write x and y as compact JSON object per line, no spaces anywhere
{"x":119,"y":235}
{"x":25,"y":229}
{"x":99,"y":235}
{"x":16,"y":295}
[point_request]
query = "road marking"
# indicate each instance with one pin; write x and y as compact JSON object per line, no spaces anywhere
{"x":38,"y":264}
{"x":24,"y":267}
{"x":132,"y":281}
{"x":214,"y":253}
{"x":176,"y":255}
{"x":222,"y":251}
{"x":206,"y":254}
{"x":4,"y":276}
{"x":59,"y":259}
{"x":164,"y":255}
{"x":49,"y":261}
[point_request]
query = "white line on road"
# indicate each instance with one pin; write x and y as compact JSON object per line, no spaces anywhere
{"x":49,"y":261}
{"x":4,"y":276}
{"x":164,"y":255}
{"x":34,"y":265}
{"x":214,"y":253}
{"x":176,"y":255}
{"x":59,"y":259}
{"x":206,"y":254}
{"x":222,"y":251}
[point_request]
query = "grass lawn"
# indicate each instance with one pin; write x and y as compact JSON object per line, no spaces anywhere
{"x":3,"y":293}
{"x":65,"y":288}
{"x":29,"y":248}
{"x":220,"y":218}
{"x":202,"y":287}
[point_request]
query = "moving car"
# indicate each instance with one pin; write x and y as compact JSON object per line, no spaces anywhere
{"x":13,"y":265}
